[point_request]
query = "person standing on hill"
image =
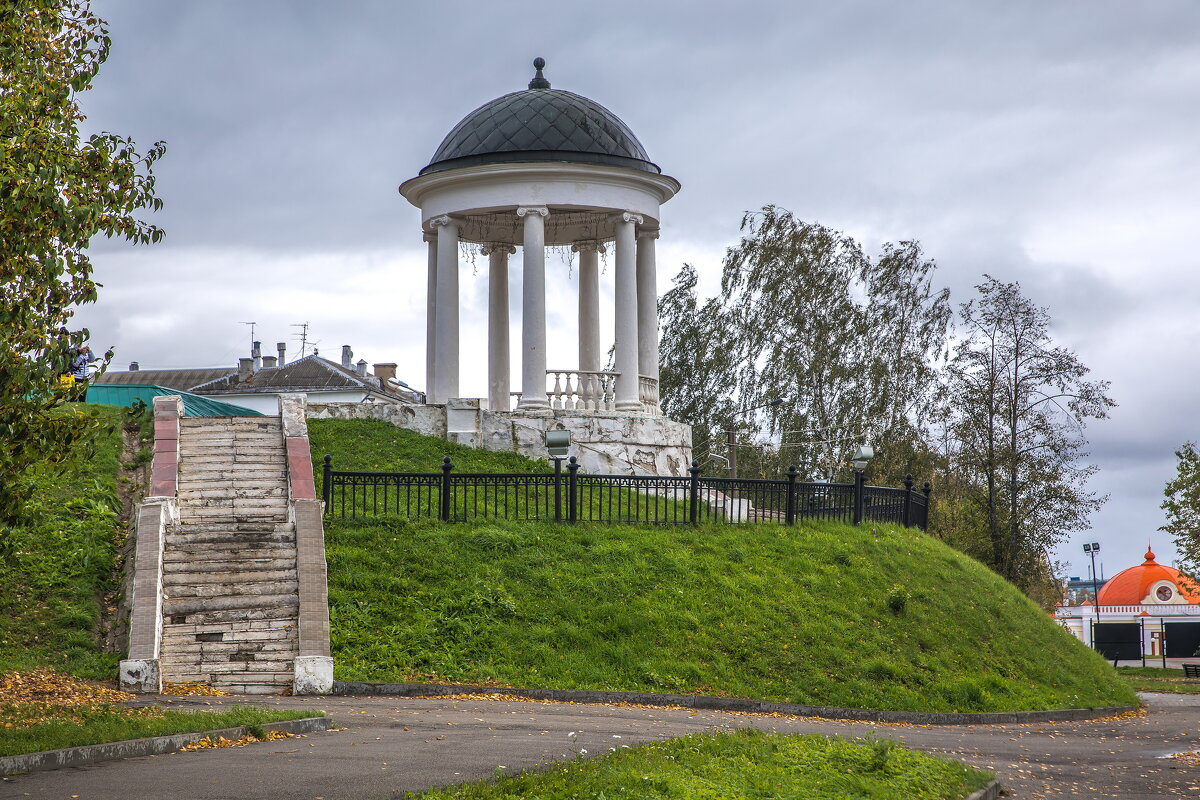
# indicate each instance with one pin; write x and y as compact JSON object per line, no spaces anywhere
{"x":81,"y":371}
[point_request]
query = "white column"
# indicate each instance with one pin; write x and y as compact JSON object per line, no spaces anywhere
{"x":430,"y":315}
{"x":647,"y":290}
{"x":498,"y":368}
{"x":533,"y":308}
{"x":589,"y":305}
{"x":445,"y":342}
{"x":626,"y":302}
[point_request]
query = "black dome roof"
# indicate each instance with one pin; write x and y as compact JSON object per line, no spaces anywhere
{"x":541,"y":124}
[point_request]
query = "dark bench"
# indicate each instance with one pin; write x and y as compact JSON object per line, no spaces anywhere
{"x":1191,"y":671}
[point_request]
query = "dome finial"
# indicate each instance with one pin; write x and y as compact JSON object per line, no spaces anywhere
{"x":539,"y":81}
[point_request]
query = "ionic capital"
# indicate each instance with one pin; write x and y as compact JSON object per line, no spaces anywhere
{"x":589,"y":246}
{"x":647,"y":232}
{"x":506,"y":249}
{"x":428,"y":237}
{"x":438,"y":222}
{"x":541,"y":211}
{"x":628,"y":216}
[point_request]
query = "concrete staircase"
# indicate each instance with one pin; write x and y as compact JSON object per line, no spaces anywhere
{"x":230,"y":607}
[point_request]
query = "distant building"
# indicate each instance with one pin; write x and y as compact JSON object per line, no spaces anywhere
{"x":257,"y":381}
{"x":1142,"y":610}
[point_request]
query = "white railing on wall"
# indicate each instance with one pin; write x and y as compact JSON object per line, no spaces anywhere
{"x":582,"y":390}
{"x":1155,"y":610}
{"x":648,"y":394}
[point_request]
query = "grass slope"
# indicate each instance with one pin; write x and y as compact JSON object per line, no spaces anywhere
{"x":57,"y":564}
{"x":375,"y":446}
{"x":870,"y":617}
{"x":748,"y":764}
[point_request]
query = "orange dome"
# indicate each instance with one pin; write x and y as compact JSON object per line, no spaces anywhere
{"x":1132,"y":586}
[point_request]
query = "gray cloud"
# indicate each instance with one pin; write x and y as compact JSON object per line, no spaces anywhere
{"x":1052,"y":144}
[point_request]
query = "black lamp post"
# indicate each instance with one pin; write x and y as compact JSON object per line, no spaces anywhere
{"x":731,"y":434}
{"x":861,"y":458}
{"x":1092,"y":549}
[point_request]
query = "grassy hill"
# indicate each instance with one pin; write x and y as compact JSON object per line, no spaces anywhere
{"x":57,"y":564}
{"x":824,"y":614}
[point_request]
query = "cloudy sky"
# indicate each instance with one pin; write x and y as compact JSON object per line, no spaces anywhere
{"x":1053,"y":144}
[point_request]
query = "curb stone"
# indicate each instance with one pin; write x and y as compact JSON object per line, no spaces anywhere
{"x":989,"y":792}
{"x":133,"y":748}
{"x":356,"y":688}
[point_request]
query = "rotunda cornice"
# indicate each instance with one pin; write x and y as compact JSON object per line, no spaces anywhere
{"x":415,"y":190}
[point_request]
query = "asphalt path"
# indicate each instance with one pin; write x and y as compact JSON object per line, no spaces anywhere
{"x":384,"y":746}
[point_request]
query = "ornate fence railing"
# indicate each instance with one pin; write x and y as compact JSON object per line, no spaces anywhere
{"x":638,"y":499}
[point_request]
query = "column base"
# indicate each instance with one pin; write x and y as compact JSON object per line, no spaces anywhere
{"x":313,"y":675}
{"x":140,"y":676}
{"x":630,"y":405}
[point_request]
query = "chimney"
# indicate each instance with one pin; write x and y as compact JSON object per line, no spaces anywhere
{"x":256,"y":354}
{"x":385,"y":372}
{"x":133,"y":366}
{"x":282,"y":348}
{"x":245,"y":368}
{"x":361,"y":367}
{"x":347,"y":357}
{"x":269,"y":362}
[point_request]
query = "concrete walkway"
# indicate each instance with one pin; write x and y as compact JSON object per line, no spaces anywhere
{"x":391,"y":745}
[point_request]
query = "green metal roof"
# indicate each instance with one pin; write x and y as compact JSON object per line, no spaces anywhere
{"x":194,"y":405}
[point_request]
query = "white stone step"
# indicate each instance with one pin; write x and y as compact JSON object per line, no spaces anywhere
{"x":241,"y":589}
{"x":280,"y":604}
{"x":188,"y":558}
{"x":254,"y":616}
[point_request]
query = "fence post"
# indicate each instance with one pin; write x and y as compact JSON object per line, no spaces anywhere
{"x":790,"y":513}
{"x":908,"y":484}
{"x":446,"y":467}
{"x":694,"y":493}
{"x":558,"y":490}
{"x":926,"y":490}
{"x":859,"y":481}
{"x":327,"y":482}
{"x":572,"y":488}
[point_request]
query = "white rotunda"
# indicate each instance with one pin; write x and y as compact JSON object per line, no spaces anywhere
{"x":536,"y":168}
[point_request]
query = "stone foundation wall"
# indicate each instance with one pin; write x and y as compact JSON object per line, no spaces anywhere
{"x":612,"y":443}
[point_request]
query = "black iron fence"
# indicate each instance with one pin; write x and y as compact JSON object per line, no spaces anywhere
{"x":637,"y":499}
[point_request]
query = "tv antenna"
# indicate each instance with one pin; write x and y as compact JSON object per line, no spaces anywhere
{"x":251,"y":324}
{"x":303,"y":337}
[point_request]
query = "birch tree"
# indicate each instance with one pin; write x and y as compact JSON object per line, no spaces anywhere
{"x":1019,"y":404}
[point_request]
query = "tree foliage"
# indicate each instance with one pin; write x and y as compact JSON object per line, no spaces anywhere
{"x":58,"y":190}
{"x":1182,"y":505}
{"x":851,"y":344}
{"x":1016,"y":408}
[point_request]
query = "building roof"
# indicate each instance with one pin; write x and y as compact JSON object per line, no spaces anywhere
{"x":308,"y":374}
{"x":182,"y":379}
{"x":1136,"y":585}
{"x":541,"y":124}
{"x":193,"y":404}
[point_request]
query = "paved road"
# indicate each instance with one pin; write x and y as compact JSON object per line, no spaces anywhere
{"x":391,"y":745}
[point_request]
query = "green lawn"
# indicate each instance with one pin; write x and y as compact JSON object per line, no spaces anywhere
{"x":96,"y":725}
{"x":822,"y":614}
{"x":1153,"y":679}
{"x":748,"y":764}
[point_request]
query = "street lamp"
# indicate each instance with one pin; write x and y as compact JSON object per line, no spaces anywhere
{"x":1092,"y":549}
{"x":557,"y":444}
{"x":862,"y":457}
{"x":731,"y":434}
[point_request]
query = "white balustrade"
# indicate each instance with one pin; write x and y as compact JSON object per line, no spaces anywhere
{"x":648,"y":394}
{"x":582,"y":390}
